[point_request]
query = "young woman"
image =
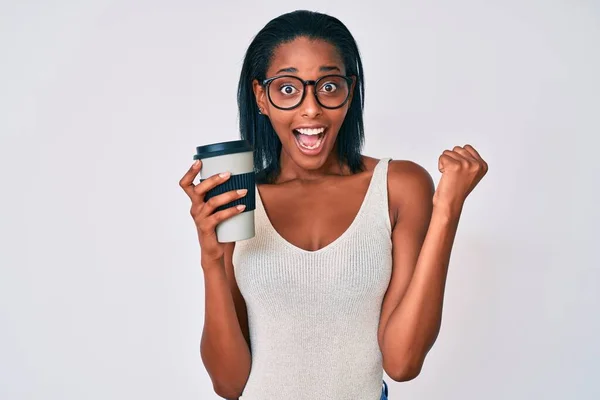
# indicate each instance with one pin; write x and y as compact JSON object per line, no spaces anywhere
{"x":345,"y":277}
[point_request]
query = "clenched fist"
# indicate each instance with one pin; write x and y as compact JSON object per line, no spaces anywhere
{"x":462,"y":169}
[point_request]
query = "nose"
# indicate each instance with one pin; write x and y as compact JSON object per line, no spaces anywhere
{"x":310,"y":108}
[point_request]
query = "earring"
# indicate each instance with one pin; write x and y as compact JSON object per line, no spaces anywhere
{"x":260,"y":111}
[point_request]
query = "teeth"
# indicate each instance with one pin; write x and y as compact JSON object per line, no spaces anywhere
{"x":306,"y":131}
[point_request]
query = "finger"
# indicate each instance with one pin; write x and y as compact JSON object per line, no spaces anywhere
{"x":220,"y":200}
{"x":445,"y":160}
{"x":473,"y":152}
{"x":187,"y":181}
{"x":209,"y":183}
{"x":464,"y":153}
{"x":229,"y":212}
{"x":452,"y":154}
{"x":208,"y":226}
{"x":477,"y":157}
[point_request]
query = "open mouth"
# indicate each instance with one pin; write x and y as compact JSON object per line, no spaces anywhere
{"x":310,"y":139}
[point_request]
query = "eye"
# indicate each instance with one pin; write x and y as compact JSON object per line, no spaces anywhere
{"x":288,"y":89}
{"x":329,"y":87}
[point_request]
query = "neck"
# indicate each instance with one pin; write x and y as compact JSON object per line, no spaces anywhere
{"x":309,"y":169}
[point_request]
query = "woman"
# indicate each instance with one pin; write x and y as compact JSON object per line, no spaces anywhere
{"x":345,"y":276}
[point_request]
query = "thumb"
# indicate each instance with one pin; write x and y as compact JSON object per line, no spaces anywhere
{"x":441,"y":164}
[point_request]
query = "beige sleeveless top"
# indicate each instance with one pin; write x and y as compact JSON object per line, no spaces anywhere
{"x":313,"y":315}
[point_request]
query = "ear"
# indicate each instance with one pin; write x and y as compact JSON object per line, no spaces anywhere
{"x":261,"y":97}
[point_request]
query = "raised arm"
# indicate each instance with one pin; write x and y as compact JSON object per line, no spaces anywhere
{"x":423,"y":236}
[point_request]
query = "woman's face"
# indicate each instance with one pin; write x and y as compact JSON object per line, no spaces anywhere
{"x":308,"y":60}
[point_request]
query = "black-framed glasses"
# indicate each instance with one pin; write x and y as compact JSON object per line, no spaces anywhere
{"x":286,"y":92}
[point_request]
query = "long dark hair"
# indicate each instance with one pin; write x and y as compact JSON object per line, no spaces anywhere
{"x":257,"y":129}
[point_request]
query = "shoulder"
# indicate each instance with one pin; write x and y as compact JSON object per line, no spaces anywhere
{"x":410,"y":188}
{"x":404,"y":176}
{"x":409,"y":175}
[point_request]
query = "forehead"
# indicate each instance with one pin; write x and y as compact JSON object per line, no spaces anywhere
{"x":305,"y":55}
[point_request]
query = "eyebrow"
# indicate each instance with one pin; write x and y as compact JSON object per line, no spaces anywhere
{"x":324,"y":68}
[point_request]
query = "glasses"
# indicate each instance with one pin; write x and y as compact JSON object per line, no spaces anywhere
{"x":287,"y":91}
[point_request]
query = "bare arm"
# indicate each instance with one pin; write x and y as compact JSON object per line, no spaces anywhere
{"x":224,"y":347}
{"x":404,"y":331}
{"x":415,"y":322}
{"x":423,"y":237}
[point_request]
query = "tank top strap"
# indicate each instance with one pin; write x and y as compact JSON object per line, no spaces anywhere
{"x":378,"y":207}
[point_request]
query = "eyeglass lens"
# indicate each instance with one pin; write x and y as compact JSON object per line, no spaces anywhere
{"x":286,"y":92}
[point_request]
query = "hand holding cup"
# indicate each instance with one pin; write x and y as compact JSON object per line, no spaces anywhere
{"x":203,"y":212}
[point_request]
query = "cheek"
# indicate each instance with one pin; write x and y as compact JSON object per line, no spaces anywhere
{"x":281,"y":123}
{"x":337,"y":116}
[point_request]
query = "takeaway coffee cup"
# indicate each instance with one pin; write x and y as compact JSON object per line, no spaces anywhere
{"x":236,"y":157}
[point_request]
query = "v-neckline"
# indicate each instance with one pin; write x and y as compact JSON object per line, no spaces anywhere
{"x":346,"y":232}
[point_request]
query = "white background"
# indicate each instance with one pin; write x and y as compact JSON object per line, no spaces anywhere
{"x":103,"y":102}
